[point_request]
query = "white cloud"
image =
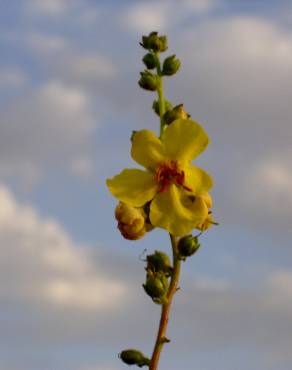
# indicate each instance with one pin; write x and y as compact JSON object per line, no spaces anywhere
{"x":85,"y":68}
{"x":266,"y":193}
{"x":78,"y":11}
{"x":51,"y":126}
{"x":12,"y":77}
{"x":40,"y":263}
{"x":161,"y":15}
{"x":247,"y":58}
{"x":275,"y":178}
{"x":145,"y":17}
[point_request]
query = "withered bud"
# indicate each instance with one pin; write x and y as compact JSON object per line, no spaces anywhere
{"x":131,"y":221}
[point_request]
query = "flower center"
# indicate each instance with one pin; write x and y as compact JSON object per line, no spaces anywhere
{"x":169,"y":173}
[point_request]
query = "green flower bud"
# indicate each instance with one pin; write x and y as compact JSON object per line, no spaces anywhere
{"x":167,"y":105}
{"x":148,"y":81}
{"x":154,"y":42}
{"x":150,"y":60}
{"x":170,"y":66}
{"x":163,"y":43}
{"x":145,"y":42}
{"x":177,"y":112}
{"x":159,"y":262}
{"x":134,"y":357}
{"x":156,"y":286}
{"x":187,"y":246}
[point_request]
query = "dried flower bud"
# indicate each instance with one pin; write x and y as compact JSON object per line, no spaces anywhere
{"x":131,"y":221}
{"x":159,"y":262}
{"x":167,"y":106}
{"x":187,"y":246}
{"x":177,"y":112}
{"x":156,"y":286}
{"x":150,"y":60}
{"x":134,"y":357}
{"x":170,"y":66}
{"x":148,"y":81}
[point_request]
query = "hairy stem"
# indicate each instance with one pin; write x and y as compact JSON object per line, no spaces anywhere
{"x":173,"y":286}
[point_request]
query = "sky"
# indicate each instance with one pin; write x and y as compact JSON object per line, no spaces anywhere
{"x":71,"y":292}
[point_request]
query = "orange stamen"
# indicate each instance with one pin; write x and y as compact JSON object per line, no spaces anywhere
{"x":169,"y":173}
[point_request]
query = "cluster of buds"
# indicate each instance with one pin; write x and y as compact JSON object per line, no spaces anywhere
{"x":155,"y":45}
{"x":158,"y":269}
{"x":133,"y":222}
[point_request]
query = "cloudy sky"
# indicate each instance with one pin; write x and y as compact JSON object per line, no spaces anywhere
{"x":70,"y":287}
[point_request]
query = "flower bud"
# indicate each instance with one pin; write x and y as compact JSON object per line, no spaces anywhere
{"x":187,"y":246}
{"x":131,"y":221}
{"x":167,"y":106}
{"x":177,"y":112}
{"x":148,"y":81}
{"x":159,"y":262}
{"x":134,"y":357}
{"x":156,"y":286}
{"x":163,"y":43}
{"x":154,"y":42}
{"x":150,"y":60}
{"x":170,"y":66}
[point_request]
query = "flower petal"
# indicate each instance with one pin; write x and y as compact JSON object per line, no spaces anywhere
{"x":184,"y":140}
{"x":197,"y":180}
{"x":147,"y":149}
{"x":132,"y":186}
{"x":176,"y":211}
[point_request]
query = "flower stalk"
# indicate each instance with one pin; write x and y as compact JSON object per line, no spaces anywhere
{"x":171,"y":192}
{"x":161,"y":338}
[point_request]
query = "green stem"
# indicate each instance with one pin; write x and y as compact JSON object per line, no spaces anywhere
{"x":173,"y":286}
{"x":161,"y":100}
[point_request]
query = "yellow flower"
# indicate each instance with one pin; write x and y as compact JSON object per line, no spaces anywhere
{"x":173,"y":185}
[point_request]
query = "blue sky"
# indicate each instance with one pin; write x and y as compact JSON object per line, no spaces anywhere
{"x":70,"y":290}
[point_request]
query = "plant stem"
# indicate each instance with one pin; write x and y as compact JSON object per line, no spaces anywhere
{"x":173,"y":286}
{"x":161,"y":101}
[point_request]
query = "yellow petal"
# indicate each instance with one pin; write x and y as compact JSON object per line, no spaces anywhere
{"x":147,"y":149}
{"x":184,"y":140}
{"x":134,"y":187}
{"x":176,"y":211}
{"x":197,"y":180}
{"x":207,"y":199}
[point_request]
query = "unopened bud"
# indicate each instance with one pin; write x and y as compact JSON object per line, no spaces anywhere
{"x":187,"y":246}
{"x":163,"y":43}
{"x":154,"y":42}
{"x":170,"y":65}
{"x":150,"y":60}
{"x":148,"y":81}
{"x":156,"y":286}
{"x":177,"y":112}
{"x":131,"y":221}
{"x":167,"y":106}
{"x":134,"y":357}
{"x":159,"y":262}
